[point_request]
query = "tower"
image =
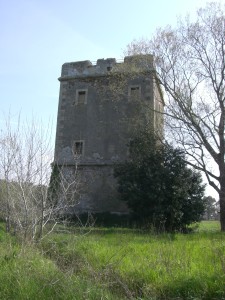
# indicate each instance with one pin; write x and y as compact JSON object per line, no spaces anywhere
{"x":102,"y":107}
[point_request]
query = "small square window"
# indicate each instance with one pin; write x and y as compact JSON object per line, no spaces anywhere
{"x":134,"y":92}
{"x":134,"y":89}
{"x":78,"y":147}
{"x":81,"y":96}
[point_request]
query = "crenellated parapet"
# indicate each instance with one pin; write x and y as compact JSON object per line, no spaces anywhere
{"x":103,"y":66}
{"x":87,"y":68}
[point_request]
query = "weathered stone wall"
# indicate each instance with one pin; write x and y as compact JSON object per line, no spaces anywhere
{"x":97,"y":189}
{"x":99,"y":113}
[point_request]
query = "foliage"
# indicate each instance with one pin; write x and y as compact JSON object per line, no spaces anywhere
{"x":54,"y":185}
{"x":158,"y":186}
{"x":211,"y":210}
{"x":190,"y":67}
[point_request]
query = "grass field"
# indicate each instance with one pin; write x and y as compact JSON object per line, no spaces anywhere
{"x":116,"y":264}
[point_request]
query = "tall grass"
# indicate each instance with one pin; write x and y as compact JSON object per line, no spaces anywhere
{"x":115,"y":264}
{"x":26,"y":274}
{"x":146,"y":266}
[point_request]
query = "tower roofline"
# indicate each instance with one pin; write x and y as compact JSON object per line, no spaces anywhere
{"x":86,"y":69}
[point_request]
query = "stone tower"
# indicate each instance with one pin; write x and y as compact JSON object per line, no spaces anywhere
{"x":101,"y":108}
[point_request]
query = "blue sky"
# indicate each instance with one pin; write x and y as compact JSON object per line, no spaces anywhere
{"x":38,"y":36}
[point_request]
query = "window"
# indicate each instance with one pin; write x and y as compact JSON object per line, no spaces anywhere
{"x":81,"y":96}
{"x":78,"y":147}
{"x":134,"y":92}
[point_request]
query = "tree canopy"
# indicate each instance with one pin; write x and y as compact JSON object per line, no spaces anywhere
{"x":158,"y":186}
{"x":190,"y":66}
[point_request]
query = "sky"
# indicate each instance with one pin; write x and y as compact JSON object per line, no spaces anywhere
{"x":38,"y":36}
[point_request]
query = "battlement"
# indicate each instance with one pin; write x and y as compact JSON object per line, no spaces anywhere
{"x":103,"y":66}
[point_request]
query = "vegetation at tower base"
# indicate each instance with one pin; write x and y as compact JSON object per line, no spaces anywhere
{"x":158,"y":186}
{"x":54,"y":185}
{"x":190,"y":66}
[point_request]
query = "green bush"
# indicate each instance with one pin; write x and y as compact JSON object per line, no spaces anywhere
{"x":158,"y":186}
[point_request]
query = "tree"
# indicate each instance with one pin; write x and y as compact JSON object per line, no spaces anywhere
{"x":190,"y":66}
{"x":54,"y":185}
{"x":158,"y":187}
{"x":211,"y":208}
{"x":27,"y":202}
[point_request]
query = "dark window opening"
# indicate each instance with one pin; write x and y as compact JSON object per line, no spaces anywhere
{"x":78,"y":148}
{"x":134,"y":92}
{"x":81,"y":97}
{"x":134,"y":88}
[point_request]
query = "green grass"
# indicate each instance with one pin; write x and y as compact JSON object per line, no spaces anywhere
{"x":146,"y":266}
{"x":116,"y":264}
{"x":26,"y":274}
{"x":209,"y":226}
{"x":30,"y":276}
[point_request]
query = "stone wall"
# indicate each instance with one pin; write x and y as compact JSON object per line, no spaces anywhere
{"x":102,"y":106}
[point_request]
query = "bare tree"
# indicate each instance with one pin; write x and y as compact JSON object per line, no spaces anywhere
{"x":190,"y":65}
{"x":26,"y":203}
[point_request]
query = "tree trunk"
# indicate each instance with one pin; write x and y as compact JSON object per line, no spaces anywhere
{"x":8,"y":219}
{"x":40,"y":233}
{"x":222,"y":201}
